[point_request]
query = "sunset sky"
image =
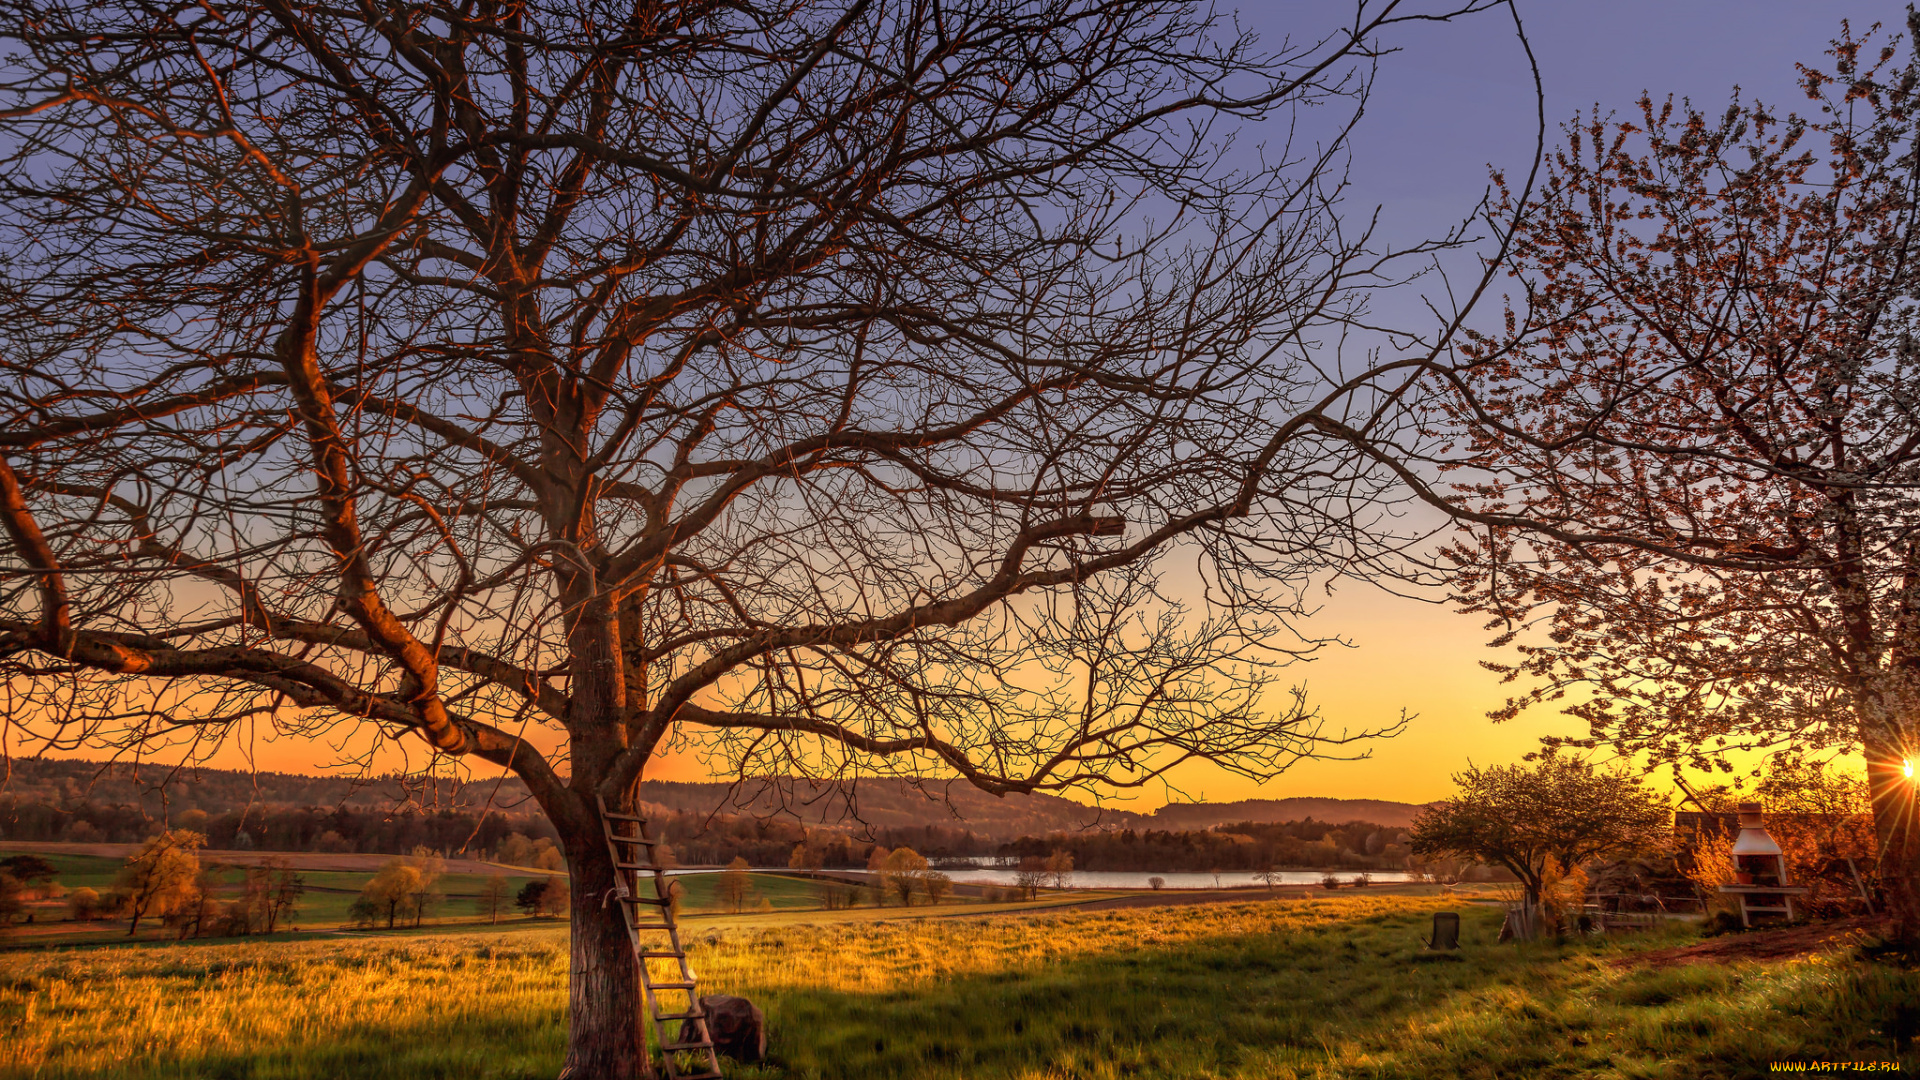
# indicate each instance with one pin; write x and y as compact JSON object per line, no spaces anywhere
{"x":1456,"y":100}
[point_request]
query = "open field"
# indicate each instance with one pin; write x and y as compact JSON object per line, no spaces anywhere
{"x":1332,"y":987}
{"x":330,"y":892}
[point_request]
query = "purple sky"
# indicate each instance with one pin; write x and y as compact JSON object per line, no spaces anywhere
{"x":1457,"y":99}
{"x":1460,"y":96}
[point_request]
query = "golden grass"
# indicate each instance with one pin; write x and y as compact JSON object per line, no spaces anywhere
{"x":1337,"y":987}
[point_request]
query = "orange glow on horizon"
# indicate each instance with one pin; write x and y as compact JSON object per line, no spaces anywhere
{"x":1406,"y":655}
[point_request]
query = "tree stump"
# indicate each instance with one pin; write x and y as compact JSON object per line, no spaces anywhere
{"x":738,"y":1027}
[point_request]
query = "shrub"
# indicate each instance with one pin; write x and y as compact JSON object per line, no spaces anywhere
{"x":83,"y":904}
{"x":1329,"y":882}
{"x":1156,"y":883}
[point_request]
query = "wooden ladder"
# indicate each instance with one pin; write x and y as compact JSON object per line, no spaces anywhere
{"x":633,"y":853}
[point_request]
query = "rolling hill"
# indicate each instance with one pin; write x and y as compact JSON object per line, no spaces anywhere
{"x":875,"y":802}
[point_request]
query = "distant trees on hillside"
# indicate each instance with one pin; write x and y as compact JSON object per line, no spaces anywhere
{"x":272,"y":828}
{"x":706,"y":840}
{"x":1244,"y":846}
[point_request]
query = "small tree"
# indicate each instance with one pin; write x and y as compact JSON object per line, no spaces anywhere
{"x":493,"y":893}
{"x":1156,"y":883}
{"x":877,"y":866}
{"x":805,"y":856}
{"x":393,"y":890}
{"x":515,"y":850}
{"x":281,"y":889}
{"x":161,"y":875}
{"x":1060,"y":869}
{"x":937,"y":885}
{"x":430,"y":866}
{"x":197,"y":911}
{"x":1030,"y":875}
{"x":902,"y":874}
{"x":83,"y":904}
{"x":734,"y":884}
{"x":1542,"y":821}
{"x":1267,"y":875}
{"x":554,"y":896}
{"x":530,"y":898}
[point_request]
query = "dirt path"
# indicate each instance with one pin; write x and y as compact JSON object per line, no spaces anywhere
{"x":1780,"y":944}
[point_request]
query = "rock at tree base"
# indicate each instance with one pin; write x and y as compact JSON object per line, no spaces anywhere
{"x":739,"y":1028}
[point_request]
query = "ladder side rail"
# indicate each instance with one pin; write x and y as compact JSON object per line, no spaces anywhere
{"x":630,"y":918}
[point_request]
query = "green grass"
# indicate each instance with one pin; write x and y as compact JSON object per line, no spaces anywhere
{"x":784,"y":893}
{"x":329,"y":894}
{"x":1333,"y":988}
{"x":91,"y":871}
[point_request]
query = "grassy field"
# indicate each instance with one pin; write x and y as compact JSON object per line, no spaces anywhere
{"x":1335,"y":987}
{"x":329,"y":894}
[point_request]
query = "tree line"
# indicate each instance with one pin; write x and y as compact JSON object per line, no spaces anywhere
{"x":1243,"y":846}
{"x":694,"y":839}
{"x":273,"y":828}
{"x":165,"y":881}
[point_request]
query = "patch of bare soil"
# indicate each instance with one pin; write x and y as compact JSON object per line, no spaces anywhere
{"x":1782,"y":944}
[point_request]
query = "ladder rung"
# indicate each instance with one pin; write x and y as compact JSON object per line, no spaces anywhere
{"x":648,"y":954}
{"x":653,"y":926}
{"x":672,"y":1048}
{"x":672,"y":985}
{"x":698,"y":1076}
{"x":655,"y":901}
{"x":697,"y":1014}
{"x":634,"y":866}
{"x":611,"y":816}
{"x":636,"y":840}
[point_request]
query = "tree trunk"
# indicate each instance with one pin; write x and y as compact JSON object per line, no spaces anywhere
{"x":1894,"y":826}
{"x":606,"y":1039}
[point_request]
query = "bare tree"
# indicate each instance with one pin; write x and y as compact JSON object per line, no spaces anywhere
{"x":493,"y":893}
{"x":833,"y":382}
{"x":734,"y":885}
{"x":1030,"y":876}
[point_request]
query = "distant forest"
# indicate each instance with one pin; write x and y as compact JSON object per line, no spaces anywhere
{"x":705,"y":824}
{"x":1241,"y":846}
